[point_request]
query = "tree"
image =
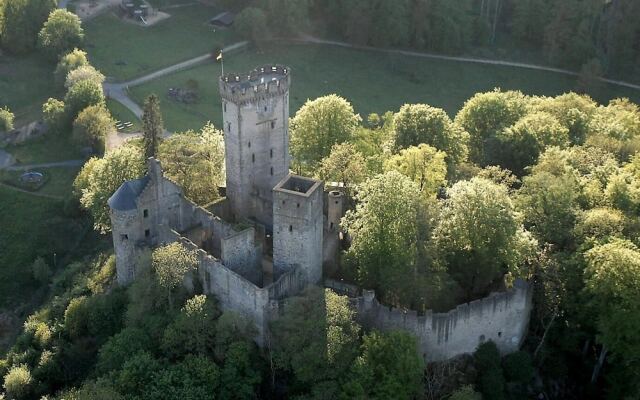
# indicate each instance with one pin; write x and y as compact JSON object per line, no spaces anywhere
{"x":6,"y":120}
{"x":316,"y":339}
{"x":518,"y":367}
{"x":92,"y":126}
{"x":17,"y":382}
{"x":21,"y":22}
{"x":82,"y":95}
{"x":317,"y":126}
{"x":101,"y":177}
{"x":193,"y":330}
{"x":70,"y":61}
{"x":485,"y":115}
{"x":419,"y":123}
{"x":251,"y":24}
{"x":138,"y":374}
{"x":615,"y":128}
{"x":232,"y":328}
{"x":171,"y":263}
{"x":519,"y":145}
{"x":385,"y":228}
{"x":61,"y":33}
{"x":572,"y":110}
{"x":195,"y":161}
{"x":152,"y":126}
{"x":491,"y":379}
{"x":480,"y":236}
{"x":41,"y":270}
{"x":83,"y":73}
{"x":389,"y":367}
{"x":53,"y":115}
{"x":288,"y":17}
{"x":192,"y":379}
{"x":599,"y":224}
{"x":389,"y":25}
{"x":118,"y":348}
{"x":344,"y":164}
{"x":424,"y":165}
{"x":76,"y":317}
{"x":548,"y":198}
{"x":239,"y":377}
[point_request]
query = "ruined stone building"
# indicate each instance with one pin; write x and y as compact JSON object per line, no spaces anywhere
{"x":274,"y":231}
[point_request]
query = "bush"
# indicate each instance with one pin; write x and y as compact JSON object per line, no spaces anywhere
{"x":518,"y":367}
{"x":92,"y":126}
{"x":465,"y":393}
{"x":41,"y":271}
{"x":76,"y":317}
{"x":83,"y":73}
{"x":61,"y":33}
{"x":82,"y":95}
{"x":6,"y":120}
{"x":487,"y":356}
{"x":17,"y":382}
{"x":54,"y":115}
{"x":492,"y":384}
{"x":70,"y":61}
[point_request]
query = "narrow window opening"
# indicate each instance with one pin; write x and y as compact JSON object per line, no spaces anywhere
{"x":253,"y":157}
{"x":147,"y":233}
{"x":481,"y":338}
{"x":249,"y":144}
{"x":290,"y":228}
{"x":331,"y":225}
{"x":499,"y":334}
{"x":337,"y":201}
{"x":273,"y":124}
{"x":271,"y":153}
{"x":283,"y":202}
{"x":298,"y":205}
{"x":229,"y":126}
{"x":124,"y":237}
{"x":265,"y":108}
{"x":271,"y":171}
{"x":225,"y":106}
{"x":145,"y":213}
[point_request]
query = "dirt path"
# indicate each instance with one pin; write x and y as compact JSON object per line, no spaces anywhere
{"x":314,"y":40}
{"x":118,"y":91}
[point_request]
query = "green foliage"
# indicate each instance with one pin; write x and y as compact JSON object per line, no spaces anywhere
{"x":41,"y":271}
{"x":479,"y":222}
{"x":115,"y":352}
{"x":288,"y":17}
{"x":61,"y":33}
{"x":612,"y":279}
{"x":344,"y":164}
{"x":69,"y":62}
{"x":615,"y":128}
{"x":251,"y":24}
{"x":17,"y":382}
{"x":193,"y":329}
{"x":548,"y":198}
{"x":152,"y":126}
{"x":195,"y":161}
{"x":92,"y":126}
{"x":6,"y":119}
{"x":83,"y":73}
{"x":519,"y":146}
{"x":465,"y":393}
{"x":194,"y":378}
{"x":171,"y":263}
{"x":138,"y":374}
{"x":76,"y":317}
{"x":424,"y":165}
{"x":389,"y":367}
{"x":574,"y":112}
{"x":385,"y":227}
{"x":239,"y":377}
{"x":317,"y":126}
{"x":599,"y":224}
{"x":21,"y":21}
{"x":82,"y":95}
{"x":485,"y":115}
{"x":419,"y":123}
{"x":491,"y":380}
{"x":100,"y":177}
{"x":53,"y":114}
{"x":518,"y":367}
{"x":232,"y":328}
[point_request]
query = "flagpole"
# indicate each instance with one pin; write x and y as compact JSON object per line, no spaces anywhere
{"x":222,"y":62}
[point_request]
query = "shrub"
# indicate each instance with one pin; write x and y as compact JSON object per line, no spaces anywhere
{"x":70,"y":61}
{"x":61,"y":33}
{"x":17,"y":382}
{"x":53,"y":115}
{"x":518,"y":367}
{"x":6,"y":120}
{"x":41,"y":270}
{"x":92,"y":126}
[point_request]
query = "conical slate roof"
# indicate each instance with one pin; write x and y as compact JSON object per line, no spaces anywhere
{"x":124,"y":199}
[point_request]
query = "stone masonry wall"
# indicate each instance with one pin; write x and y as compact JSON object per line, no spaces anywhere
{"x":501,"y":317}
{"x":241,"y":254}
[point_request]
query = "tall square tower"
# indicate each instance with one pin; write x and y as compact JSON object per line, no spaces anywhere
{"x":255,"y":113}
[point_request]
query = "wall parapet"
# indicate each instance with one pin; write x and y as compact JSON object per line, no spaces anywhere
{"x":262,"y":82}
{"x":502,"y":317}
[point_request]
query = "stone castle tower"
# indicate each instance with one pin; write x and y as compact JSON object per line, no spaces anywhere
{"x":255,"y":112}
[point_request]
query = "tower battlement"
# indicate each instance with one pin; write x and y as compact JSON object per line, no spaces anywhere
{"x":262,"y":82}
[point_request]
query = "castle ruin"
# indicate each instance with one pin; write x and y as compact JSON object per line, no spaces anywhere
{"x":273,"y":233}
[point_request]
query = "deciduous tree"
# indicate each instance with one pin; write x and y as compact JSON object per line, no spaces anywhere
{"x":62,"y":32}
{"x":152,"y":126}
{"x":424,"y":165}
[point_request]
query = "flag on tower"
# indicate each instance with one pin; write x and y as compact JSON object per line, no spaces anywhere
{"x":219,"y":58}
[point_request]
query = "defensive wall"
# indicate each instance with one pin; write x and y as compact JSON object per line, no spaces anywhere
{"x":502,"y":317}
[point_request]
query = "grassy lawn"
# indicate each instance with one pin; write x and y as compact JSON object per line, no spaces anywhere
{"x":122,"y":50}
{"x":122,"y":113}
{"x":48,"y":148}
{"x":372,"y":81}
{"x":26,"y":83}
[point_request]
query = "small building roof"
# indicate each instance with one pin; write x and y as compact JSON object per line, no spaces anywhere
{"x":224,"y":19}
{"x":124,"y":199}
